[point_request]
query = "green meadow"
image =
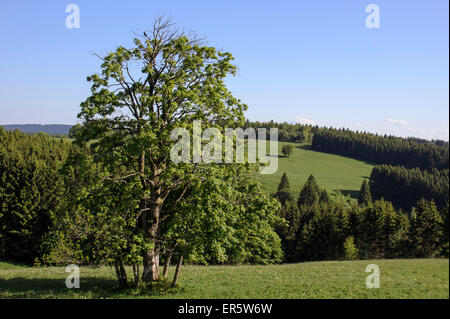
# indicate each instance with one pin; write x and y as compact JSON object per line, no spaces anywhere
{"x":414,"y":278}
{"x":336,"y":173}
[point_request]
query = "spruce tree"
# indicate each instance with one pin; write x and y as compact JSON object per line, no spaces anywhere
{"x":427,"y":229}
{"x":310,"y":193}
{"x":284,"y":191}
{"x":365,"y":198}
{"x":324,"y":197}
{"x":445,"y":237}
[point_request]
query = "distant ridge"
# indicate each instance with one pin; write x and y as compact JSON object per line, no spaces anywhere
{"x":51,"y":129}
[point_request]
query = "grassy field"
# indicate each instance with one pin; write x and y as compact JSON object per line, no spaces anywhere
{"x":419,"y":278}
{"x":335,"y":173}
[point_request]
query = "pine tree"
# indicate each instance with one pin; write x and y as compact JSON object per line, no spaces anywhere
{"x":365,"y":198}
{"x":427,"y":229}
{"x":350,"y":250}
{"x":310,"y":193}
{"x":284,"y":183}
{"x":288,"y":231}
{"x":284,"y":191}
{"x":324,"y":197}
{"x":445,"y":237}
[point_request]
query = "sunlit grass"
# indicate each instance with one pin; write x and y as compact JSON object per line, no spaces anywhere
{"x":336,"y":173}
{"x":419,"y":278}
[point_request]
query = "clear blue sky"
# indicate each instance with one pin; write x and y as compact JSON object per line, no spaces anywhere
{"x":309,"y":61}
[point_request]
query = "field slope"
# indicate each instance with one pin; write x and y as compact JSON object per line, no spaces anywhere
{"x":415,"y":278}
{"x":335,"y":173}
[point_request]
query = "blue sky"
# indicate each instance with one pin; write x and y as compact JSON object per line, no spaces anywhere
{"x":311,"y":61}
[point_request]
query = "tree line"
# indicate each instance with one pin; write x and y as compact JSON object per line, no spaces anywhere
{"x":404,"y":187}
{"x":318,"y":228}
{"x":294,"y":133}
{"x":381,"y":149}
{"x":304,"y":133}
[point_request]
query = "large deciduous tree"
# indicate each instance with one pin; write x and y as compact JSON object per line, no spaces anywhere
{"x":167,"y":79}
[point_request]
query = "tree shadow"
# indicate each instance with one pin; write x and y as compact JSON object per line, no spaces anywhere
{"x":20,"y":287}
{"x":91,"y":287}
{"x":304,"y":147}
{"x":348,"y":192}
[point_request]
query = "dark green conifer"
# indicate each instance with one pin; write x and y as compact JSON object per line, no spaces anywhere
{"x":284,"y":191}
{"x":365,"y":198}
{"x":310,"y":193}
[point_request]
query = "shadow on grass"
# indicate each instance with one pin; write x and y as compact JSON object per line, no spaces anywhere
{"x":91,"y":287}
{"x":347,"y":192}
{"x":305,"y":147}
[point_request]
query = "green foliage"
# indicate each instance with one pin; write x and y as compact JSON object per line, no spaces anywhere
{"x":225,"y":217}
{"x":319,"y":231}
{"x":284,"y":193}
{"x":30,"y":191}
{"x":323,"y":196}
{"x":322,"y":231}
{"x":98,"y":224}
{"x":294,"y":133}
{"x":390,"y":150}
{"x":384,"y":232}
{"x":365,"y":198}
{"x":427,"y":229}
{"x":287,"y":150}
{"x":129,"y":202}
{"x":445,"y":238}
{"x":74,"y":130}
{"x":288,"y":229}
{"x":405,"y":187}
{"x":350,"y":250}
{"x":165,"y":80}
{"x":309,"y":195}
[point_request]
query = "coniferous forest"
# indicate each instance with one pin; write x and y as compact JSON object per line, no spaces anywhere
{"x":391,"y":150}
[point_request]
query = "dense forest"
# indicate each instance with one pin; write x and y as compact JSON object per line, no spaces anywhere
{"x":404,"y":187}
{"x":319,"y":228}
{"x":30,"y":191}
{"x":294,"y":133}
{"x":381,"y":149}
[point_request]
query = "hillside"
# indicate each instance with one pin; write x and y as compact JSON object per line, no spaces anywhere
{"x":51,"y":129}
{"x":335,"y":173}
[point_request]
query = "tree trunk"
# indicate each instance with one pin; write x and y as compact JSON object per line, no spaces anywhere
{"x":151,"y":228}
{"x":177,"y":271}
{"x":167,"y":264}
{"x":151,"y":265}
{"x":121,"y":273}
{"x":136,"y":274}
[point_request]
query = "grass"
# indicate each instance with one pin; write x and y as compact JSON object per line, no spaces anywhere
{"x":336,"y":173}
{"x":414,"y":278}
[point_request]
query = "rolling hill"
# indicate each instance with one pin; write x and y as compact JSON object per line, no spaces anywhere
{"x":333,"y":172}
{"x":51,"y":129}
